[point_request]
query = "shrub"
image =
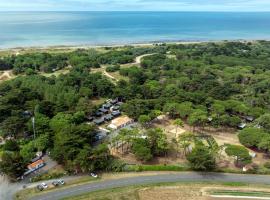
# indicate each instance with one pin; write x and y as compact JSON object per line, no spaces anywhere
{"x":113,"y":68}
{"x":267,"y":165}
{"x":201,"y":158}
{"x":48,"y":176}
{"x":251,"y":137}
{"x":139,"y":168}
{"x":240,"y":153}
{"x":141,"y":150}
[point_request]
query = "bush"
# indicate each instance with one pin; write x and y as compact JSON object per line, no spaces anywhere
{"x":30,"y":71}
{"x":48,"y":176}
{"x":139,"y":168}
{"x":113,"y":68}
{"x":201,"y":158}
{"x":240,"y":153}
{"x":116,"y":166}
{"x":141,"y":150}
{"x":251,"y":137}
{"x":267,"y":165}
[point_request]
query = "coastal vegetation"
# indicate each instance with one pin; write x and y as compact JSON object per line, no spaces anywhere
{"x":218,"y":85}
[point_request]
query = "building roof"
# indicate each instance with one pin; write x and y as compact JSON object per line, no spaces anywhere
{"x":103,"y":110}
{"x":116,"y":113}
{"x":35,"y":164}
{"x":99,"y":113}
{"x":108,"y":117}
{"x":99,"y":121}
{"x":116,"y":107}
{"x":114,"y":101}
{"x":107,"y":105}
{"x":121,"y":121}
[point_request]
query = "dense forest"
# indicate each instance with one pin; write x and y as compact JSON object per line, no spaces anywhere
{"x":215,"y":84}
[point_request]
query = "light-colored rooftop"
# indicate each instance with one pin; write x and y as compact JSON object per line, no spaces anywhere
{"x":119,"y":121}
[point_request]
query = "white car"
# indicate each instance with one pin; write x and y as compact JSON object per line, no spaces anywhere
{"x":44,"y":185}
{"x":93,"y":175}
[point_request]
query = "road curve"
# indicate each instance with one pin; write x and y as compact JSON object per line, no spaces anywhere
{"x":163,"y":178}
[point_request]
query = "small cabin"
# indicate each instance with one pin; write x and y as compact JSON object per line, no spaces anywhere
{"x":99,"y":121}
{"x":103,"y":110}
{"x":107,"y":106}
{"x":108,"y":117}
{"x":115,"y":108}
{"x":34,"y":166}
{"x":114,"y":101}
{"x":116,"y":113}
{"x":98,"y":114}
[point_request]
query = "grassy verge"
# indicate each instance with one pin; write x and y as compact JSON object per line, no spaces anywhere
{"x":260,"y":171}
{"x":52,"y":174}
{"x":139,"y":168}
{"x":126,"y":193}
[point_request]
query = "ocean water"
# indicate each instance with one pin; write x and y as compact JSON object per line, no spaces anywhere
{"x":24,"y":29}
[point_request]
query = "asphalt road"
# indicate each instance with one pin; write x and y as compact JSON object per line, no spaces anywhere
{"x":163,"y":178}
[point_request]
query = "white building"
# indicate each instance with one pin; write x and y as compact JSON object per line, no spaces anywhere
{"x":120,"y":122}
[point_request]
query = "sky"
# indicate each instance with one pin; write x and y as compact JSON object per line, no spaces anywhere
{"x":135,"y":5}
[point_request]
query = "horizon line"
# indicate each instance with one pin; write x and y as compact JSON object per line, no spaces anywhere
{"x":225,"y":11}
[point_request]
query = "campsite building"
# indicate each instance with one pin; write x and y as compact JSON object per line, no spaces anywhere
{"x":99,"y":121}
{"x":120,"y":122}
{"x":34,"y":166}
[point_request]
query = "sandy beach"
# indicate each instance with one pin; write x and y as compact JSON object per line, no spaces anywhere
{"x":18,"y":50}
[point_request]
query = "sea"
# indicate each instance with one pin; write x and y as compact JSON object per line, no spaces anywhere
{"x":43,"y":29}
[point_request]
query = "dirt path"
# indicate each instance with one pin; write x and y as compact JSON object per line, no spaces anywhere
{"x":139,"y":58}
{"x":137,"y":62}
{"x":6,"y":75}
{"x":110,"y":76}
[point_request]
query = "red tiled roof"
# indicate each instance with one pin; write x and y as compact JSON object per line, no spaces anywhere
{"x":34,"y":164}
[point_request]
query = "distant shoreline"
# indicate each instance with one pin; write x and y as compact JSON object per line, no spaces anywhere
{"x":139,"y":44}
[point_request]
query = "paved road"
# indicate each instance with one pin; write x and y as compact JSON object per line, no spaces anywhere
{"x":170,"y":177}
{"x":7,"y":189}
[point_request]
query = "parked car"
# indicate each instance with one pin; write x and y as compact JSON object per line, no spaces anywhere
{"x":93,"y":175}
{"x":61,"y":182}
{"x":40,"y":188}
{"x":44,"y":185}
{"x":55,"y":183}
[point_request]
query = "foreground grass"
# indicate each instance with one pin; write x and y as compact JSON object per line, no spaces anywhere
{"x":131,"y":192}
{"x":241,"y":193}
{"x":183,"y":188}
{"x":127,"y":193}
